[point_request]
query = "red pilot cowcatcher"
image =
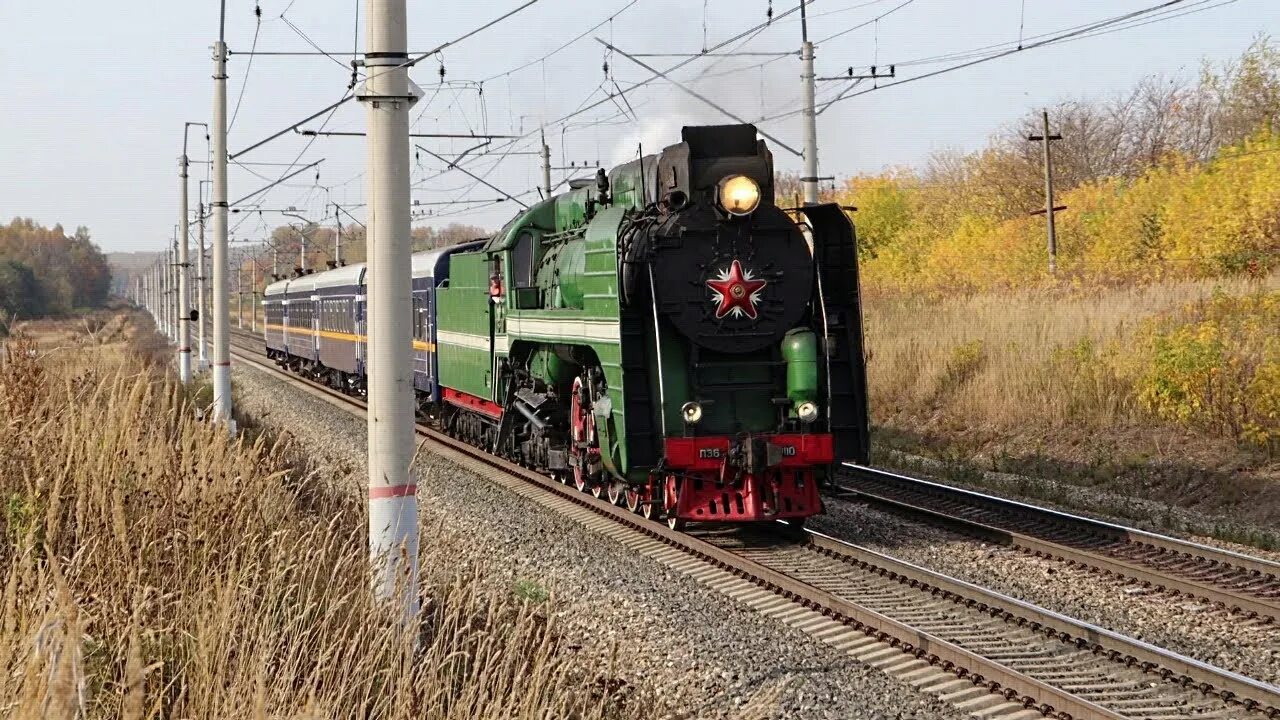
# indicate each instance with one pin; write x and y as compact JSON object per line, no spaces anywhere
{"x":736,"y":292}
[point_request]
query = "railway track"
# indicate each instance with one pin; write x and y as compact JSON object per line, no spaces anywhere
{"x":986,"y":653}
{"x":1245,"y":585}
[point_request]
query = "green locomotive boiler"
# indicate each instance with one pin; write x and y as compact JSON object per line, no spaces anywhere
{"x":666,"y":335}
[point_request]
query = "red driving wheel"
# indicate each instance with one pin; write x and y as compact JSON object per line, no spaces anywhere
{"x":582,"y":428}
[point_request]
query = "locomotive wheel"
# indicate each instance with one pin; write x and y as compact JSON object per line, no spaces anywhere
{"x":649,"y":511}
{"x":632,"y":497}
{"x":616,"y":491}
{"x":597,"y":490}
{"x":582,"y":434}
{"x":671,"y":499}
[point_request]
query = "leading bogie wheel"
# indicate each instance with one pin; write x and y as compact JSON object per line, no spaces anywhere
{"x":597,"y":489}
{"x":633,"y":500}
{"x":616,"y":491}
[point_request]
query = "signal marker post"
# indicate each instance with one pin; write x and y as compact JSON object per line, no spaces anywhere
{"x":1049,"y":209}
{"x":387,"y":94}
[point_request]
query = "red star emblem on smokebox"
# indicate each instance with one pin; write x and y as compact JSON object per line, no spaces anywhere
{"x":736,"y":292}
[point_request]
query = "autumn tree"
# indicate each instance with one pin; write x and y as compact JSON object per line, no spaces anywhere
{"x":69,"y":270}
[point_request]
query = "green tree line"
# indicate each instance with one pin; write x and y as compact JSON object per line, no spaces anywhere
{"x":45,"y":271}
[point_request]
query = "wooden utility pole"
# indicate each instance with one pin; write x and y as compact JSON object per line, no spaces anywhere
{"x":1049,"y":209}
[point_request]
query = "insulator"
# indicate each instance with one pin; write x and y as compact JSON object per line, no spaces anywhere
{"x":606,"y":68}
{"x":441,"y":72}
{"x":873,"y":70}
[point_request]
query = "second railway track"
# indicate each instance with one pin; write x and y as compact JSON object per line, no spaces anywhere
{"x":988,"y":654}
{"x":1246,"y":585}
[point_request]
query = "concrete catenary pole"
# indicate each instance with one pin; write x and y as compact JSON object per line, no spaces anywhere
{"x":200,"y":296}
{"x":546,"y":165}
{"x":810,"y":113}
{"x":159,"y":312}
{"x":393,"y":509}
{"x":168,"y":292}
{"x":221,"y":310}
{"x":302,"y":251}
{"x":174,"y":322}
{"x":184,"y":292}
{"x":253,"y":295}
{"x":240,"y":293}
{"x":337,"y":238}
{"x":157,"y":307}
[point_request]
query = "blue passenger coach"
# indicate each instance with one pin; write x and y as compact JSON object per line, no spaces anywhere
{"x":315,"y":324}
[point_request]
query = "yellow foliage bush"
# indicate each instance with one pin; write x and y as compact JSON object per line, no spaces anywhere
{"x":1176,"y":220}
{"x":1216,"y":364}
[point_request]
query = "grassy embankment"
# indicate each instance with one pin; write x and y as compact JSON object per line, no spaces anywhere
{"x":1165,"y":391}
{"x":153,"y":569}
{"x":1148,"y":366}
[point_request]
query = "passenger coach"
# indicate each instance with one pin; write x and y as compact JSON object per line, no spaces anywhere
{"x":315,"y":324}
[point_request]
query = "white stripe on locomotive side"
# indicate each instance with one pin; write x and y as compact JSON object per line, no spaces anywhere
{"x":473,"y":342}
{"x":603,"y":331}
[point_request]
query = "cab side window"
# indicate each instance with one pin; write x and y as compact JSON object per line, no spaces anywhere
{"x":522,"y":260}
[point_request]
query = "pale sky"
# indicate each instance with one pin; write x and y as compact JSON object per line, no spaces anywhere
{"x":97,"y":92}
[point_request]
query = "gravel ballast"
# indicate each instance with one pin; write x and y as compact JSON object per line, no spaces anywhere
{"x":1181,"y":624}
{"x":630,"y":617}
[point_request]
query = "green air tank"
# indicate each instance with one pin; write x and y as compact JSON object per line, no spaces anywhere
{"x":800,"y":350}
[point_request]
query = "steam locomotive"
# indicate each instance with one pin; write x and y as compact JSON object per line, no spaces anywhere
{"x":664,"y":335}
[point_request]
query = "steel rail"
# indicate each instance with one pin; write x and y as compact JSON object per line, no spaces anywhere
{"x":1015,"y":687}
{"x":1149,"y":574}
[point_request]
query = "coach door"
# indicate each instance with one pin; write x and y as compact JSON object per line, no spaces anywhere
{"x":358,"y":328}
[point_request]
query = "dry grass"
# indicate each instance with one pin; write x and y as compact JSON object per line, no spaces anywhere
{"x":1049,"y":376}
{"x":998,"y":359}
{"x":155,"y":570}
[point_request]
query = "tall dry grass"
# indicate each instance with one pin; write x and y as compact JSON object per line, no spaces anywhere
{"x":1028,"y":364}
{"x":152,"y":569}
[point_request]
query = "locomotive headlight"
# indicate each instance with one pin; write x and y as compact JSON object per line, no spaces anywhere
{"x":691,"y":412}
{"x":739,"y":195}
{"x":807,"y":411}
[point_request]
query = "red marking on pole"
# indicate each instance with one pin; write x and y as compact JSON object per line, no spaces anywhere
{"x":223,"y":364}
{"x":392,"y":491}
